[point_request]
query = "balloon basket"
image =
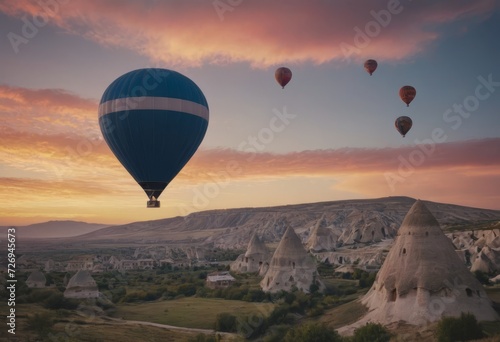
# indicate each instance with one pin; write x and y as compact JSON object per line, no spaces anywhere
{"x":153,"y":204}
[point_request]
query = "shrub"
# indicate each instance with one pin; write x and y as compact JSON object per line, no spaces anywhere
{"x":279,"y":314}
{"x":482,"y":277}
{"x":465,"y":328}
{"x":317,"y":311}
{"x":371,"y":332}
{"x":255,"y":296}
{"x":41,"y":323}
{"x":187,"y":290}
{"x":312,"y":332}
{"x":313,"y":288}
{"x":56,"y":300}
{"x":225,"y":322}
{"x":203,"y":338}
{"x":117,"y":294}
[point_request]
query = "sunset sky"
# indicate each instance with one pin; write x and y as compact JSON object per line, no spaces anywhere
{"x":329,"y":135}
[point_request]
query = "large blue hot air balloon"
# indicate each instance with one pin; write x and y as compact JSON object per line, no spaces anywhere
{"x":153,"y":120}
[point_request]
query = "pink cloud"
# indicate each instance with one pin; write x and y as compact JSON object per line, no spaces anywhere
{"x":262,"y":33}
{"x":476,"y":153}
{"x":47,"y":110}
{"x":470,"y":186}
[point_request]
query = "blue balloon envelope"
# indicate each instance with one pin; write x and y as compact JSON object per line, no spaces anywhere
{"x":153,"y":120}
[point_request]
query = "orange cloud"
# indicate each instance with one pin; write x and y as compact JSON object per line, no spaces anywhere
{"x":67,"y":172}
{"x":57,"y":157}
{"x":262,"y":33}
{"x":50,"y":111}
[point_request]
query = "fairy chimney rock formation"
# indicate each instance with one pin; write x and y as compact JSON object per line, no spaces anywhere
{"x":255,"y":258}
{"x":423,"y":278}
{"x":291,"y":266}
{"x":36,"y":279}
{"x":81,"y":285}
{"x":322,"y":238}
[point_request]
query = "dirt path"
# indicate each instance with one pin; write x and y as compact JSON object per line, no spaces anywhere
{"x":172,"y":327}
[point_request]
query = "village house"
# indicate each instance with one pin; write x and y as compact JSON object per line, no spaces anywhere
{"x":220,"y":280}
{"x":83,"y":262}
{"x":140,"y":264}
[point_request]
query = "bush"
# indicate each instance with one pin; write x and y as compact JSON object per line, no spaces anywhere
{"x":255,"y":296}
{"x":482,"y":277}
{"x":366,"y":279}
{"x":41,"y":323}
{"x":56,"y":300}
{"x":278,"y":315}
{"x":225,"y":322}
{"x":313,"y":288}
{"x":312,"y":332}
{"x":187,"y":290}
{"x":317,"y":311}
{"x":465,"y":328}
{"x":117,"y":294}
{"x":371,"y":332}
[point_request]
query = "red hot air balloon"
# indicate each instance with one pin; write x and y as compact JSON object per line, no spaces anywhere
{"x":403,"y":125}
{"x":407,"y":94}
{"x":370,"y":66}
{"x":283,"y":76}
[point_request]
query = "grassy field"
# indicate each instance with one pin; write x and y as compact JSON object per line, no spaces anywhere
{"x":190,"y":312}
{"x":73,"y":326}
{"x":125,"y":332}
{"x":344,"y":314}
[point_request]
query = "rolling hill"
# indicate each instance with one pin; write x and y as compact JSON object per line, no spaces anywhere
{"x":232,"y":228}
{"x":54,"y":229}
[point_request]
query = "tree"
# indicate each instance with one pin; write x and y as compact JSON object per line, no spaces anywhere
{"x":465,"y":328}
{"x":312,"y":332}
{"x":371,"y":332}
{"x":225,"y":322}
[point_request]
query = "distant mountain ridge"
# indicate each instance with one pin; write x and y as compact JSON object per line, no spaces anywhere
{"x":54,"y":229}
{"x":355,"y":220}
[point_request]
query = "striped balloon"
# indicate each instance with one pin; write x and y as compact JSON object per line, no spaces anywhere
{"x":153,"y":120}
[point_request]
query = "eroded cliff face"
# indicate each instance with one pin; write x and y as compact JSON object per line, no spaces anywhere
{"x":342,"y":232}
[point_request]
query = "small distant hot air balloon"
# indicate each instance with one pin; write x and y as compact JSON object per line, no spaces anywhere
{"x":403,"y":125}
{"x":371,"y":66}
{"x":153,"y":120}
{"x":283,"y":76}
{"x":407,"y":94}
